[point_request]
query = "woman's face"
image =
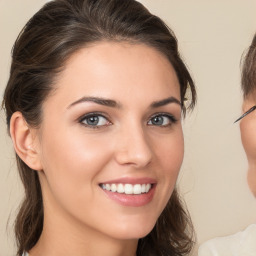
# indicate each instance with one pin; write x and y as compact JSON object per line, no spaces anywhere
{"x":113,"y":123}
{"x":248,"y":135}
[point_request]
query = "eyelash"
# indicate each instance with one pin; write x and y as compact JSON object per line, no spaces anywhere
{"x":171,"y":119}
{"x":91,"y":115}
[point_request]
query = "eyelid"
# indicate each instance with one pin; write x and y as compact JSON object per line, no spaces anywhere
{"x":171,"y":117}
{"x":90,"y":114}
{"x":163,"y":114}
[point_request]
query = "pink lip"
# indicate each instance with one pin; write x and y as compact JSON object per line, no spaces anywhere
{"x":132,"y":200}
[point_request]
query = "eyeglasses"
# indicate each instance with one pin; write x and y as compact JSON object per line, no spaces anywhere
{"x":246,"y":113}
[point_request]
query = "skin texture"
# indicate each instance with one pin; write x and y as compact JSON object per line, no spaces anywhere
{"x":72,"y":158}
{"x":247,"y":128}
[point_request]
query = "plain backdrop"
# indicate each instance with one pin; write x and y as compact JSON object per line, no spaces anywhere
{"x":212,"y":37}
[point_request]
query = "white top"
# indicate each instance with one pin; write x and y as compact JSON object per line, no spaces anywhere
{"x":240,"y":244}
{"x":25,"y":254}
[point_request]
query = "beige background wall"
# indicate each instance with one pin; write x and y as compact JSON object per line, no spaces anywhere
{"x":212,"y":36}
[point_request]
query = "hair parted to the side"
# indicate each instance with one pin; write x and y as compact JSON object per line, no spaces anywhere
{"x":249,"y":70}
{"x":50,"y":37}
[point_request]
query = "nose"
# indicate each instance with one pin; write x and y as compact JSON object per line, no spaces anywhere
{"x":133,"y":147}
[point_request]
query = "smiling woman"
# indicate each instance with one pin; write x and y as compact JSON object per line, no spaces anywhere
{"x":94,"y":105}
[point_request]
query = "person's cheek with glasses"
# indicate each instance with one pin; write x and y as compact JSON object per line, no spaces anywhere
{"x":248,"y":137}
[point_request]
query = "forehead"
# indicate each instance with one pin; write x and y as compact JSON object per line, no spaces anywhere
{"x":116,"y":70}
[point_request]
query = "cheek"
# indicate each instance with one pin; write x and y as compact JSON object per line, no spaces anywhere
{"x":248,"y":136}
{"x":73,"y":151}
{"x":170,"y":153}
{"x":173,"y":152}
{"x":72,"y":162}
{"x":251,"y":177}
{"x":170,"y":156}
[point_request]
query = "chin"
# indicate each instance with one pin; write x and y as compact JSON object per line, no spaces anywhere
{"x":133,"y":231}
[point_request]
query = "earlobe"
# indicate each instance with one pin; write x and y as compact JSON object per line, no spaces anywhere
{"x":24,"y":141}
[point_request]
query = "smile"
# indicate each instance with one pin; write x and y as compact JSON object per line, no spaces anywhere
{"x":128,"y":189}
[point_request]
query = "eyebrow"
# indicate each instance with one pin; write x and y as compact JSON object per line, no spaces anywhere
{"x":97,"y":100}
{"x":164,"y":102}
{"x":114,"y":104}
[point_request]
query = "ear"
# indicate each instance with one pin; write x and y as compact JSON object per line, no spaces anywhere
{"x":24,"y":141}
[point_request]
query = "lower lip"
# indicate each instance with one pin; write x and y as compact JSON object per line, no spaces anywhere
{"x":132,"y":200}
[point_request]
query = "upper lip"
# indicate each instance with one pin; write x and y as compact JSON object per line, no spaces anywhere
{"x":131,"y":180}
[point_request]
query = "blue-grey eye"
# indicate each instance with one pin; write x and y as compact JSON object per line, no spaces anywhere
{"x":161,"y":120}
{"x":94,"y":120}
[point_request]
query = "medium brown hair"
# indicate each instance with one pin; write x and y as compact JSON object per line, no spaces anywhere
{"x":50,"y":37}
{"x":249,"y":70}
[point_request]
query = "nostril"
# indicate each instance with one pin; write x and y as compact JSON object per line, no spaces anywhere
{"x":133,"y":158}
{"x":133,"y":147}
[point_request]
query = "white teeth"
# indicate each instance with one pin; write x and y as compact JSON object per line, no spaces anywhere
{"x":113,"y":187}
{"x":120,"y":188}
{"x":128,"y":189}
{"x":137,"y":189}
{"x":107,"y":187}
